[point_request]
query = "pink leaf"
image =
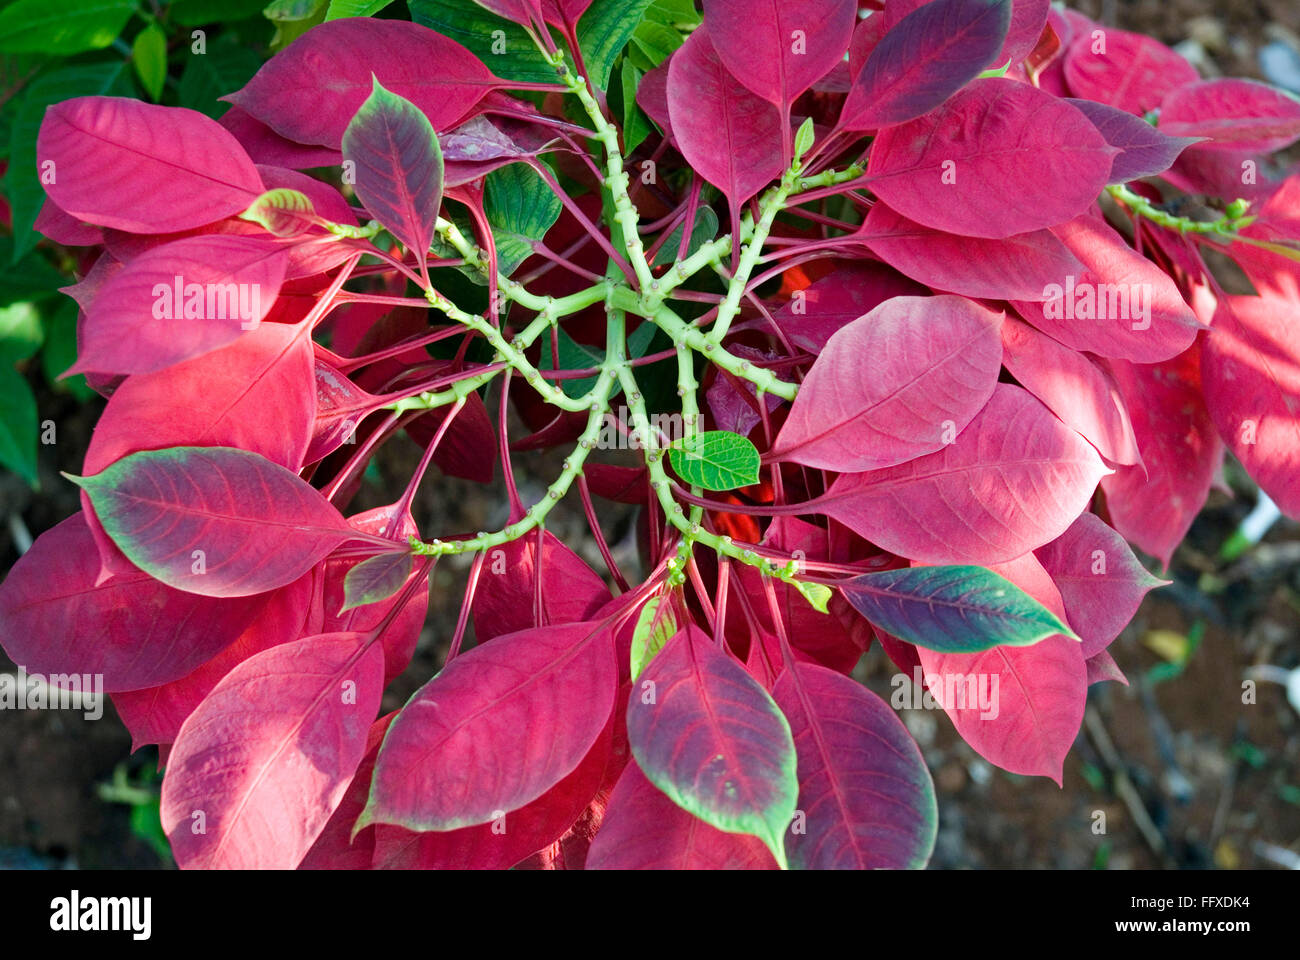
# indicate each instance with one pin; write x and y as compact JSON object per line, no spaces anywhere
{"x":256,"y":395}
{"x":728,"y":134}
{"x":815,"y":313}
{"x":55,"y":618}
{"x":1153,"y":504}
{"x":504,"y":603}
{"x":935,"y":171}
{"x":1028,"y":18}
{"x":155,"y":714}
{"x":217,"y":521}
{"x":1013,"y":480}
{"x":504,"y":842}
{"x":1232,"y":114}
{"x":925,"y":58}
{"x":1101,"y":583}
{"x":179,"y":301}
{"x":1250,"y":372}
{"x":335,"y":848}
{"x":267,"y":756}
{"x":1073,"y":387}
{"x":398,"y":166}
{"x":1017,"y":267}
{"x":644,"y":830}
{"x":1121,"y":305}
{"x":1144,"y":150}
{"x":438,"y":75}
{"x":934,"y":363}
{"x":134,"y":166}
{"x":1020,"y":708}
{"x":1125,"y":70}
{"x":779,"y":48}
{"x":496,"y":729}
{"x":863,"y":785}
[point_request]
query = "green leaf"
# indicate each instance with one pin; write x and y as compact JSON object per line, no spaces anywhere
{"x":20,"y":333}
{"x":62,"y":27}
{"x":31,"y":278}
{"x":196,"y":13}
{"x":653,"y":630}
{"x":18,"y":426}
{"x":60,"y":351}
{"x":703,"y":230}
{"x":149,"y":56}
{"x":22,"y":183}
{"x":281,"y":211}
{"x":715,"y":460}
{"x":636,"y":125}
{"x":603,"y":32}
{"x":293,"y":18}
{"x":223,"y":68}
{"x":354,"y":8}
{"x":803,"y":139}
{"x":521,"y":208}
{"x":576,"y":356}
{"x":995,"y":72}
{"x":952,"y":609}
{"x":375,"y":578}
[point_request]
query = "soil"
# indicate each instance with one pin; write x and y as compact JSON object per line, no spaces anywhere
{"x":1177,"y":773}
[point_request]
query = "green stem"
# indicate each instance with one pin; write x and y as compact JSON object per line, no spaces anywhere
{"x":1225,"y":226}
{"x":615,"y":363}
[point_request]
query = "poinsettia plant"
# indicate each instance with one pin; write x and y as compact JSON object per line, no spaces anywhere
{"x":907,"y":313}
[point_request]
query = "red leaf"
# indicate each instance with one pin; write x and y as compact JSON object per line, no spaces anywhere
{"x":864,"y":789}
{"x":179,"y":301}
{"x":708,"y":735}
{"x":1121,"y":305}
{"x":1153,"y":504}
{"x":398,"y":166}
{"x":502,"y":843}
{"x":779,"y":49}
{"x":335,"y":848}
{"x":1073,"y":387}
{"x":934,"y":171}
{"x":496,"y":729}
{"x":1250,"y":372}
{"x":504,"y":603}
{"x":214,"y":520}
{"x":1013,"y":480}
{"x":1101,"y":583}
{"x":819,"y":310}
{"x":925,"y":58}
{"x":1029,"y":720}
{"x":1144,"y":150}
{"x":155,"y":714}
{"x":1027,"y":20}
{"x":1125,"y":70}
{"x":935,"y":361}
{"x":1017,"y":267}
{"x":262,"y":763}
{"x":56,"y":619}
{"x":728,"y":134}
{"x":135,"y":166}
{"x":644,"y":830}
{"x":1232,"y":114}
{"x":256,"y":395}
{"x":435,"y":73}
